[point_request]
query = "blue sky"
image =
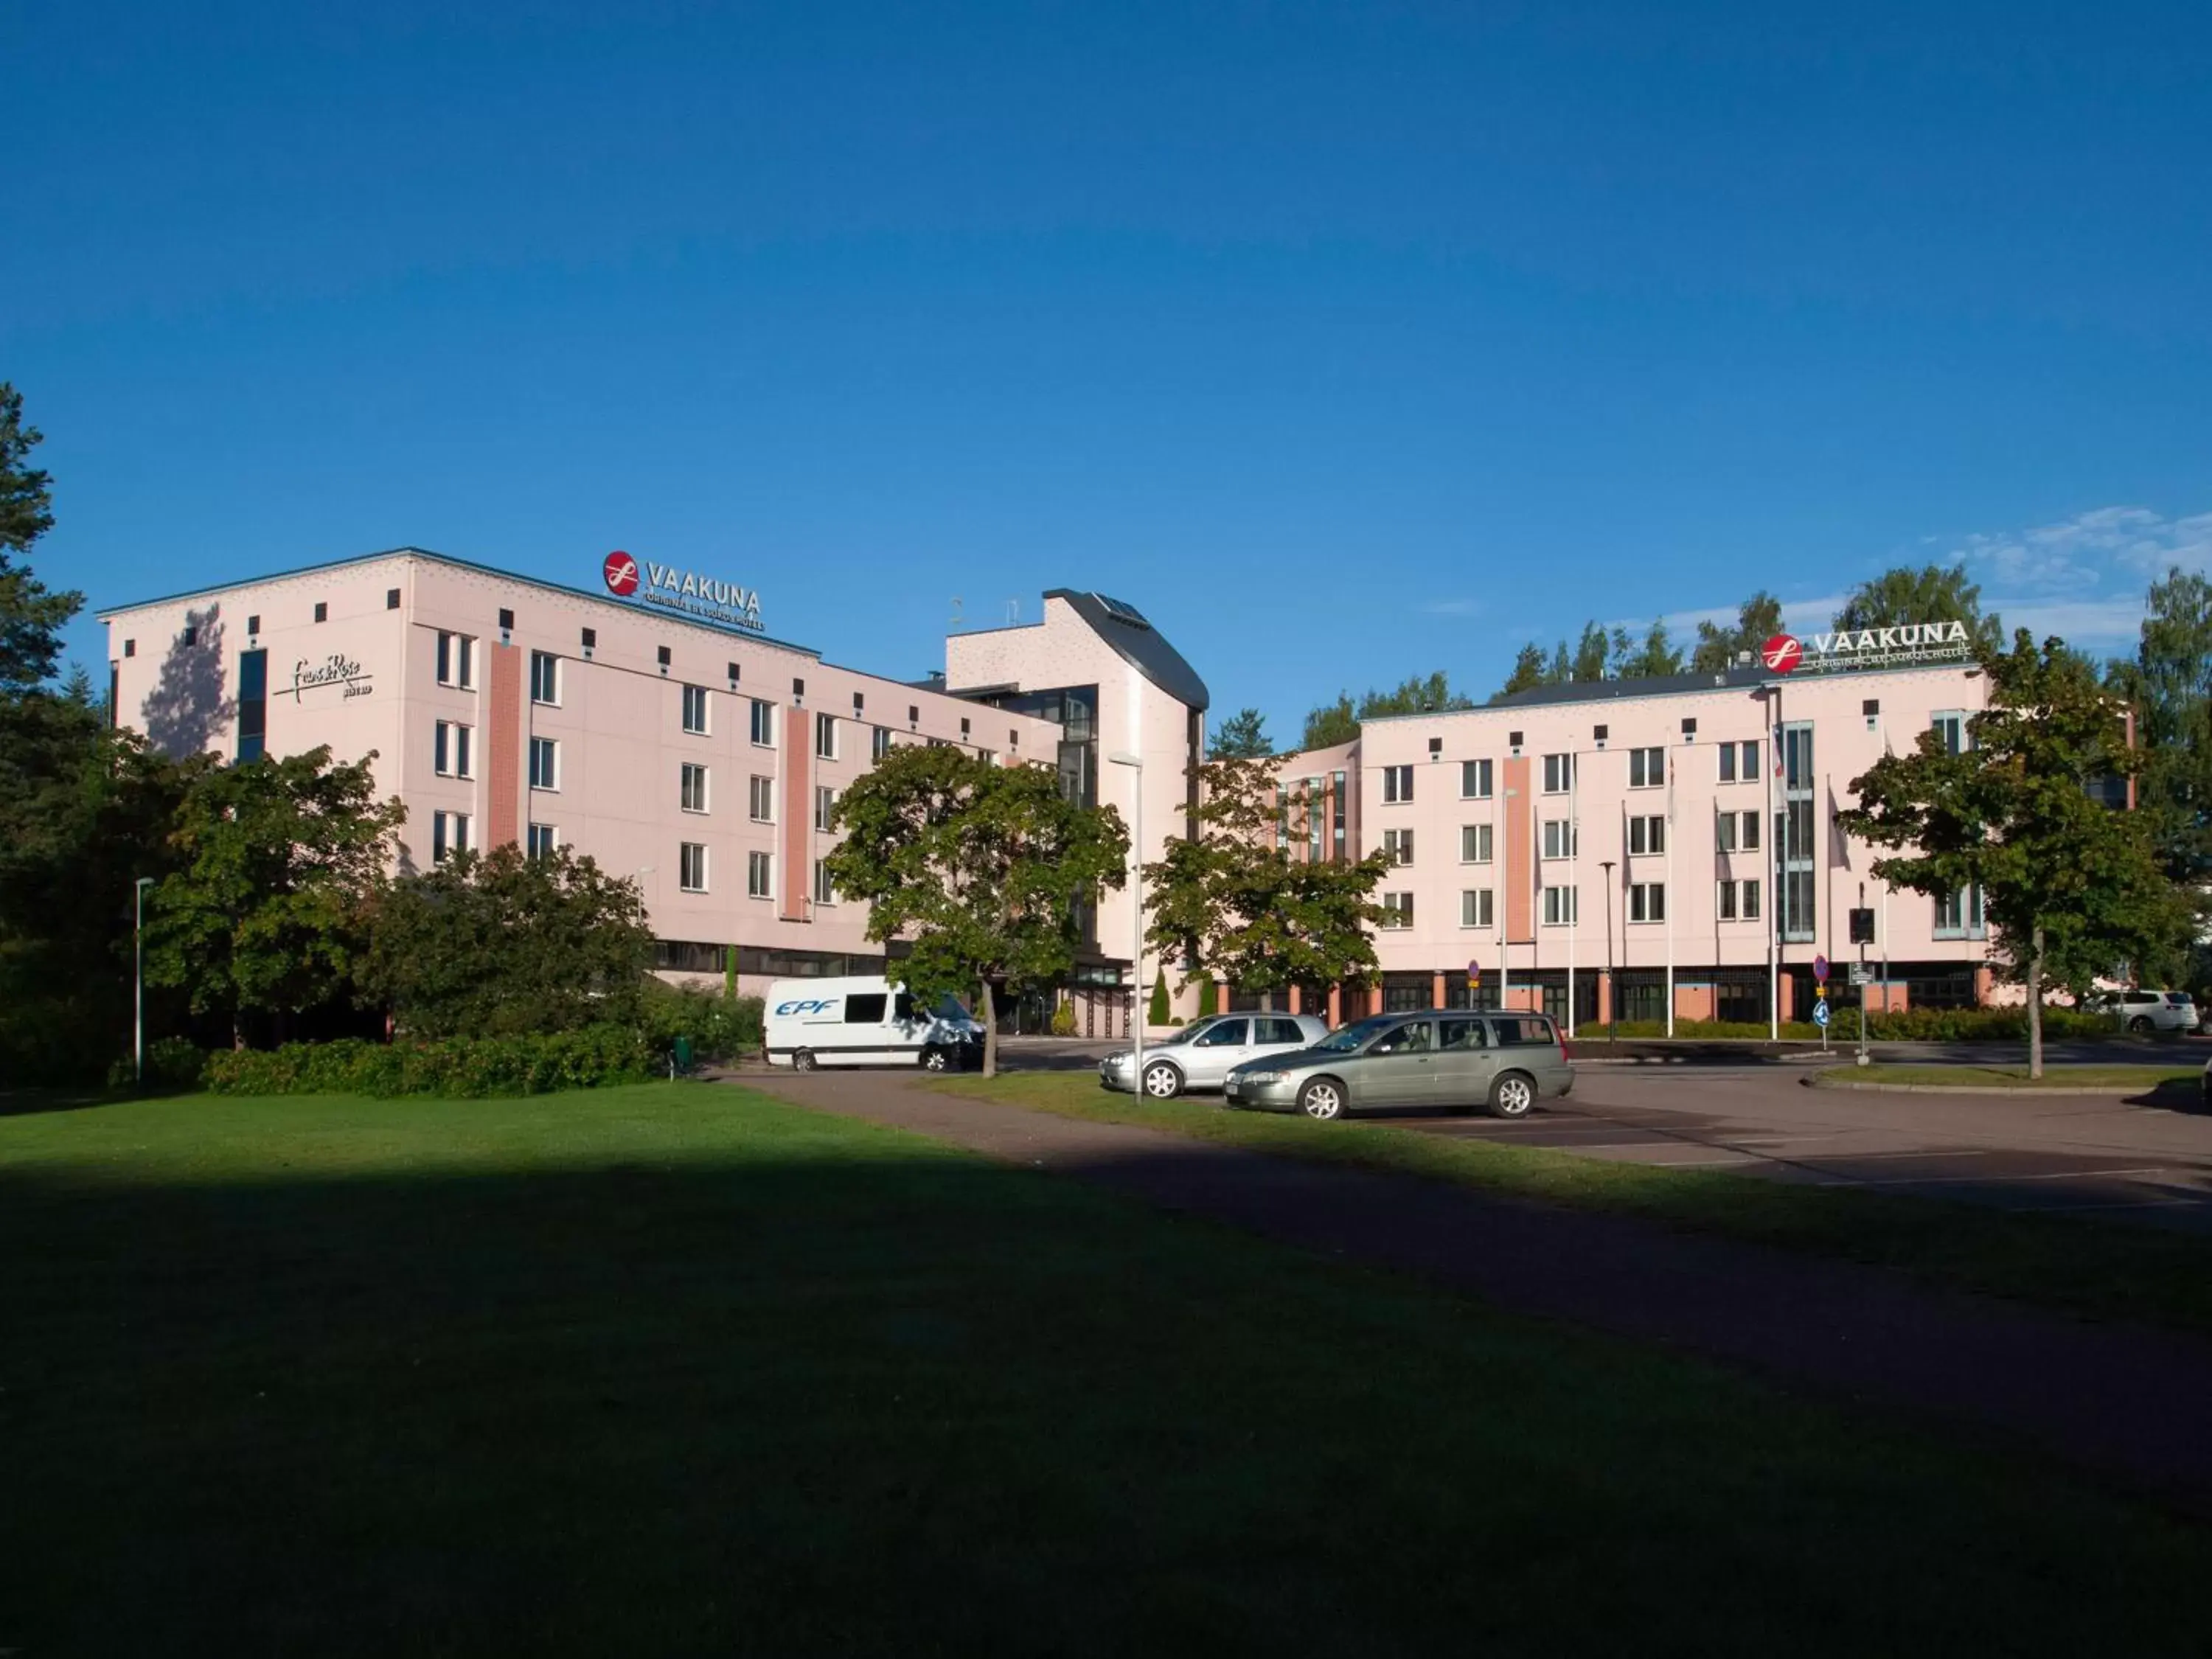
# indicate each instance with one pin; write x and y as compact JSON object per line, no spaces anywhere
{"x":1347,"y":341}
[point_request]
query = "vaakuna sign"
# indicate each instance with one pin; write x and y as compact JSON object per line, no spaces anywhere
{"x":687,"y":590}
{"x":1868,"y":648}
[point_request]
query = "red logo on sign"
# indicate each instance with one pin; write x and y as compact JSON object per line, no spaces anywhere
{"x":1781,"y":653}
{"x":621,"y":572}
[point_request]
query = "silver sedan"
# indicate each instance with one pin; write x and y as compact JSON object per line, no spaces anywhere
{"x":1202,"y":1053}
{"x":1446,"y":1057}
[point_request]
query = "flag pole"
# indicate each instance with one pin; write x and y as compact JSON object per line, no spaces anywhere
{"x":1574,"y":873}
{"x":1667,"y":899}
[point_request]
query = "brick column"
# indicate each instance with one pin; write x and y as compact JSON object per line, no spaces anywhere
{"x":503,"y":749}
{"x":1436,"y":990}
{"x":1335,"y":1005}
{"x":1295,"y":1008}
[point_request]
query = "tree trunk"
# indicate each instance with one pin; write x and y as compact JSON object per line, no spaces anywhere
{"x":1267,"y":1002}
{"x":990,"y":1033}
{"x":2035,"y":1007}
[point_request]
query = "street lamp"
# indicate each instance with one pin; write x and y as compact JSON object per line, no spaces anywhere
{"x":138,"y":975}
{"x":1612,"y":989}
{"x":1136,"y":764}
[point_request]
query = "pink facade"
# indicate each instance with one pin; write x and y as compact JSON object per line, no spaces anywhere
{"x":1648,"y":826}
{"x":565,"y":714}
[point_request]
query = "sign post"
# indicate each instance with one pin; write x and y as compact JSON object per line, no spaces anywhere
{"x":1473,"y":984}
{"x":1821,"y":992}
{"x":1862,"y":936}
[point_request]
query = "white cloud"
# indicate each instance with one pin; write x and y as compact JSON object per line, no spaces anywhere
{"x":1452,"y":608}
{"x":2078,"y":622}
{"x":2078,"y":554}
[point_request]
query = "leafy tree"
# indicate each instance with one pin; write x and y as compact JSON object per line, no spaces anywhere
{"x":1243,"y":736}
{"x":1929,"y":593}
{"x":501,"y":943}
{"x":1592,"y":653}
{"x":2070,"y":888}
{"x":1654,"y":659}
{"x":1758,"y":619}
{"x":1530,"y":671}
{"x":983,"y":866}
{"x":2169,"y":683}
{"x":1244,"y":910}
{"x":1331,"y":724}
{"x":31,"y":618}
{"x":1155,"y":1010}
{"x":280,"y":861}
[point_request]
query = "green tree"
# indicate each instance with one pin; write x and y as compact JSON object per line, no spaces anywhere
{"x":1157,"y":1011}
{"x":1758,"y":619}
{"x":1243,"y":736}
{"x":1929,"y":593}
{"x":1339,"y":722}
{"x":984,"y":866}
{"x":1530,"y":671}
{"x":280,"y":861}
{"x":1593,"y":654}
{"x":2071,"y":888}
{"x":1243,"y":910}
{"x":499,"y":943}
{"x":1654,"y":659}
{"x":2169,"y":683}
{"x":1331,"y":724}
{"x":31,"y":618}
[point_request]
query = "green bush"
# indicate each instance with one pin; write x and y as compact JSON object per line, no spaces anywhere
{"x":1063,"y":1020}
{"x":1905,"y":1025}
{"x":1209,"y":1000}
{"x":720,"y":1027}
{"x":1155,"y":1010}
{"x":595,"y":1057}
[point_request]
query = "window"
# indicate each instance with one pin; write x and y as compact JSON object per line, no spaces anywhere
{"x":1736,"y":832}
{"x":1738,"y":900}
{"x":322,"y":610}
{"x":1558,"y":774}
{"x":544,"y":677}
{"x":451,"y":753}
{"x":1475,"y":780}
{"x":879,"y":743}
{"x":1397,"y":909}
{"x":1397,"y":784}
{"x":391,"y":598}
{"x":1647,"y":768}
{"x":1461,"y":1034}
{"x":457,"y":660}
{"x":763,"y":724}
{"x":1285,"y":1031}
{"x":693,"y":788}
{"x":1739,"y":761}
{"x":1647,"y":900}
{"x":1224,"y":1034}
{"x":1477,"y":907}
{"x":825,"y":802}
{"x":760,"y":801}
{"x":1959,"y":914}
{"x":823,"y":892}
{"x":1560,"y":839}
{"x":691,"y":866}
{"x":1950,"y":728}
{"x":760,"y":875}
{"x":1724,"y":903}
{"x":1799,"y":854}
{"x":1750,"y":752}
{"x":253,"y":704}
{"x":449,"y":833}
{"x":866,"y":1008}
{"x":545,"y":763}
{"x":1749,"y":904}
{"x":1398,"y":844}
{"x":825,"y":736}
{"x":1475,"y":843}
{"x":695,"y":709}
{"x":1561,"y":910}
{"x":543,"y":839}
{"x":1647,"y":835}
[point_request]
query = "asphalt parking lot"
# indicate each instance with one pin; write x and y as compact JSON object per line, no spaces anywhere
{"x":2086,"y":1154}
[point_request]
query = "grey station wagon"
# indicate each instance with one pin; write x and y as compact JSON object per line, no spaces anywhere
{"x":1446,"y":1057}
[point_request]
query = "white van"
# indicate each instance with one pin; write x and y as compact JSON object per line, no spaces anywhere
{"x":865,"y":1022}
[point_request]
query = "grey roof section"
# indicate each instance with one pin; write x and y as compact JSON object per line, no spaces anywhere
{"x":700,"y":622}
{"x":1137,"y":643}
{"x":1659,"y":686}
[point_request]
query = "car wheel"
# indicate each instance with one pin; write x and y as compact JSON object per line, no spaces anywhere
{"x":1512,"y":1094}
{"x":803,"y":1061}
{"x":936,"y":1059}
{"x":1162,"y":1081}
{"x":2140,"y":1025}
{"x":1322,"y":1099}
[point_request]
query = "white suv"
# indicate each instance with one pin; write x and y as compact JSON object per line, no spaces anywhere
{"x":1200,"y":1056}
{"x":2146,"y":1012}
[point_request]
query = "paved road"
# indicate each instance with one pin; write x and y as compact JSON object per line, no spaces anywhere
{"x":2096,"y":1155}
{"x":2123,"y":1400}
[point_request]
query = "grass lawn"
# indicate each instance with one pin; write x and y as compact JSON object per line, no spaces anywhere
{"x":680,"y":1370}
{"x":2102,"y":1078}
{"x":2111,"y":1270}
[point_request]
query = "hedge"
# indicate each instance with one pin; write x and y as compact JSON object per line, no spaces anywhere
{"x":1903,"y":1025}
{"x":463,"y":1068}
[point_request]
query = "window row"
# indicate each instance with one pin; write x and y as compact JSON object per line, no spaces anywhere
{"x":1645,"y":836}
{"x":1647,"y":770}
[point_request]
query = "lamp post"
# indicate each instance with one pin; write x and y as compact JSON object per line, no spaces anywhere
{"x":138,"y":977}
{"x":1612,"y":990}
{"x":1136,"y":765}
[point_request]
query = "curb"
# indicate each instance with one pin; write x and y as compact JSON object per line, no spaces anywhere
{"x":2104,"y":1091}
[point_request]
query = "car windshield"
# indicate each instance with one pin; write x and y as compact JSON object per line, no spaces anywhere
{"x":1357,"y":1035}
{"x":950,"y":1008}
{"x":1185,"y":1034}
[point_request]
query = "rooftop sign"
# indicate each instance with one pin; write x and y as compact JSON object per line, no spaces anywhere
{"x":1868,"y":648}
{"x":705,"y":597}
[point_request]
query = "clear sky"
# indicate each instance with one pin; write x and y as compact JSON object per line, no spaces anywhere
{"x":1347,"y":341}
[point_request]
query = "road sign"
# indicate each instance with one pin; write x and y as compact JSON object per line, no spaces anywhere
{"x":1862,"y":926}
{"x":1819,"y":1013}
{"x":1861,"y":973}
{"x":1474,"y":970}
{"x":1781,"y":654}
{"x":1820,"y":969}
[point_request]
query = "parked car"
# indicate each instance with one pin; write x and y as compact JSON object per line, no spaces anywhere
{"x":1201,"y":1054}
{"x":2144,"y":1012}
{"x":1446,"y":1057}
{"x":867,"y":1021}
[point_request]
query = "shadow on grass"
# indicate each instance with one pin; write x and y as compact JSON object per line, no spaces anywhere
{"x":694,"y":1376}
